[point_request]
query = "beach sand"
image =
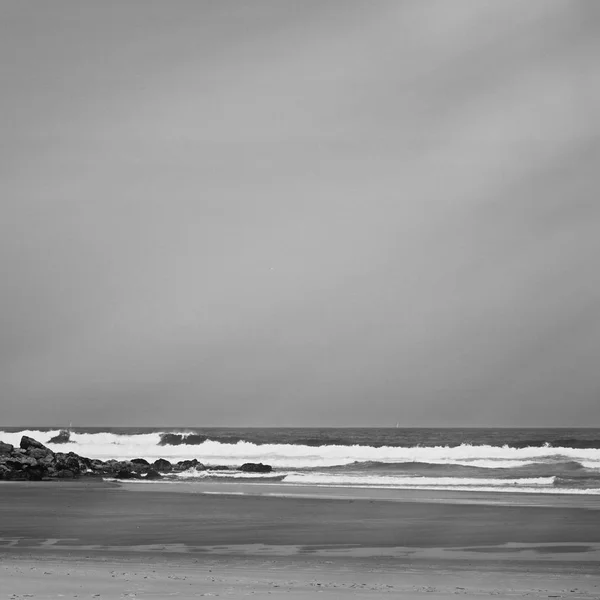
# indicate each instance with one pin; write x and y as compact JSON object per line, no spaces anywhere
{"x":92,"y":539}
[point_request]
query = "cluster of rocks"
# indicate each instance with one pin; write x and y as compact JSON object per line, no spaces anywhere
{"x":33,"y":461}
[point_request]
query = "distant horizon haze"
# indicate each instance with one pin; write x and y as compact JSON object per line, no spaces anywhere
{"x":183,"y":428}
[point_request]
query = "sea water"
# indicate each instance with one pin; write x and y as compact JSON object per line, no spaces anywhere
{"x":526,"y":460}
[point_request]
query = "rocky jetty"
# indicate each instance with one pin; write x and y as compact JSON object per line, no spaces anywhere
{"x":33,"y":461}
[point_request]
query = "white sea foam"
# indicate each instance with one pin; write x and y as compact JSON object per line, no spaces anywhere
{"x":290,"y":461}
{"x":289,"y":456}
{"x":414,"y":482}
{"x":455,"y":488}
{"x":198,"y":475}
{"x":380,"y":481}
{"x":362,"y":480}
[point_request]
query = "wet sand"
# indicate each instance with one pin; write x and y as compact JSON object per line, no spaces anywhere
{"x":85,"y":538}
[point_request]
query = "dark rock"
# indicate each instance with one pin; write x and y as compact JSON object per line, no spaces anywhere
{"x":127,"y":474}
{"x":162,"y":465}
{"x":102,"y":472}
{"x":256,"y":468}
{"x":140,"y":464}
{"x":218,"y":468}
{"x":19,"y":462}
{"x":36,"y":473}
{"x":40,"y":454}
{"x":111,"y":465}
{"x":27,"y":442}
{"x":71,"y":462}
{"x":21,"y":467}
{"x":84,"y":463}
{"x":62,"y":438}
{"x":194,"y":463}
{"x":111,"y":468}
{"x":34,"y":461}
{"x":9,"y":474}
{"x":6,"y":448}
{"x":153,"y":474}
{"x":65,"y":474}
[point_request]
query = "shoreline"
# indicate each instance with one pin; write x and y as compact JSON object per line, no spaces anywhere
{"x":97,"y":513}
{"x":519,"y":468}
{"x":331,"y":492}
{"x":287,"y":490}
{"x":93,"y":537}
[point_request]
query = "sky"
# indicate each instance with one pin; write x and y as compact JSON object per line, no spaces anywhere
{"x":300,"y":213}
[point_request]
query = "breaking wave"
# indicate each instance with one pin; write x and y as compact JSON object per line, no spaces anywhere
{"x":194,"y":439}
{"x":107,"y":445}
{"x":329,"y":459}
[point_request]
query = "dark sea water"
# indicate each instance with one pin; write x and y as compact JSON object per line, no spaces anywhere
{"x":529,"y":460}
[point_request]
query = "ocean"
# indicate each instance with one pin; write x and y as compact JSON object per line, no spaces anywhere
{"x":541,"y":461}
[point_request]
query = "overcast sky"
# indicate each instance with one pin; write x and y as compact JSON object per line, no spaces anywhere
{"x":300,"y":212}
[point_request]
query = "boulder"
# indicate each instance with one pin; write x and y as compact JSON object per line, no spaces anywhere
{"x":256,"y":468}
{"x":41,"y":453}
{"x":9,"y":473}
{"x":71,"y":462}
{"x":162,"y":465}
{"x":22,"y":468}
{"x":6,"y":448}
{"x":111,"y":468}
{"x":20,"y":461}
{"x":65,"y":474}
{"x":36,"y":473}
{"x":92,"y":474}
{"x":127,"y":474}
{"x":153,"y":474}
{"x":194,"y":463}
{"x":27,"y":443}
{"x":110,"y":465}
{"x":140,"y":464}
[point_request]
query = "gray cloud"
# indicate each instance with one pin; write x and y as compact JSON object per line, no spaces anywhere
{"x":299,"y":213}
